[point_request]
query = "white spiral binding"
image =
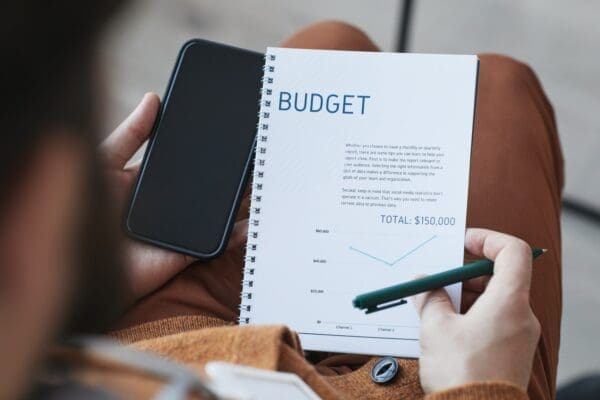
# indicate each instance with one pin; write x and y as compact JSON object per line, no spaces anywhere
{"x":262,"y":138}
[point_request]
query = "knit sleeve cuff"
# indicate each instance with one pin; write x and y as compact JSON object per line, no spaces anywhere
{"x":481,"y":390}
{"x":164,"y":327}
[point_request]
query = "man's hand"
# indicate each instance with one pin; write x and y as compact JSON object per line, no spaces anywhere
{"x":497,"y":337}
{"x":148,"y":267}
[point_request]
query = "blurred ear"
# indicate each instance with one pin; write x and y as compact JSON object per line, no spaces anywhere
{"x":39,"y":222}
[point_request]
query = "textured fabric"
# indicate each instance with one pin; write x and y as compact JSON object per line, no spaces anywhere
{"x":268,"y":347}
{"x":485,"y":390}
{"x":515,"y":187}
{"x":169,"y":326}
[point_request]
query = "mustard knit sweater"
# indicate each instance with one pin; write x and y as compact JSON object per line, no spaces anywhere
{"x":195,"y":340}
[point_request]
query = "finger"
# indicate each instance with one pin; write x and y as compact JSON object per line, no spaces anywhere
{"x":511,"y":256}
{"x":239,"y":234}
{"x":244,"y":209}
{"x":485,"y":242}
{"x":129,"y":136}
{"x":435,"y":303}
{"x":467,"y":299}
{"x":477,"y":285}
{"x":471,"y":290}
{"x":134,"y":167}
{"x":151,"y":267}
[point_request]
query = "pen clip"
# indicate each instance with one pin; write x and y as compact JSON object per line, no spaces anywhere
{"x":385,"y":306}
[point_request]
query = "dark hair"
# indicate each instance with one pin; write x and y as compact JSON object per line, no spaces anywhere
{"x":47,"y":81}
{"x":47,"y":67}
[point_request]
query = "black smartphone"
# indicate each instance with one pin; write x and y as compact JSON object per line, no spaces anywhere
{"x":197,"y":162}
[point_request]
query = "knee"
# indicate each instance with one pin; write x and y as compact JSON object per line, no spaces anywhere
{"x":512,"y":102}
{"x":507,"y":71}
{"x":504,"y":79}
{"x":332,"y":35}
{"x":345,"y":33}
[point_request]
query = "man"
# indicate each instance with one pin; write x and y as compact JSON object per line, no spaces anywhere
{"x":59,"y":270}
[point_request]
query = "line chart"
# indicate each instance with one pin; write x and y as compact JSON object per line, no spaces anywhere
{"x":396,"y":261}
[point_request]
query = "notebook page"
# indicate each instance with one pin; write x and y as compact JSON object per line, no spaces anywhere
{"x":360,"y":182}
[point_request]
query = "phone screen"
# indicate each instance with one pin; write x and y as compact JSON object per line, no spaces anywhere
{"x":198,"y":158}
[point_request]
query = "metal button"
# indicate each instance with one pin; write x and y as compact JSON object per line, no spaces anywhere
{"x":384,"y":370}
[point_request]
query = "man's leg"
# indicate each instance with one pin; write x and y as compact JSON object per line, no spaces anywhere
{"x":515,"y":187}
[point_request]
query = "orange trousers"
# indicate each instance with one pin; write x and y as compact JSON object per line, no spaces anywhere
{"x":515,"y":187}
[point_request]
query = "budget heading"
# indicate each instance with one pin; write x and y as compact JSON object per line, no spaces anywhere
{"x":332,"y":103}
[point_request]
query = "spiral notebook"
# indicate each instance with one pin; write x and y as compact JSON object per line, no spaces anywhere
{"x":360,"y":182}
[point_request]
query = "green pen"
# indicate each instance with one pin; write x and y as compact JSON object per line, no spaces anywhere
{"x":392,"y":296}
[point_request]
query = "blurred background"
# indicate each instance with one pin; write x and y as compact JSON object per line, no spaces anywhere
{"x":559,"y":39}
